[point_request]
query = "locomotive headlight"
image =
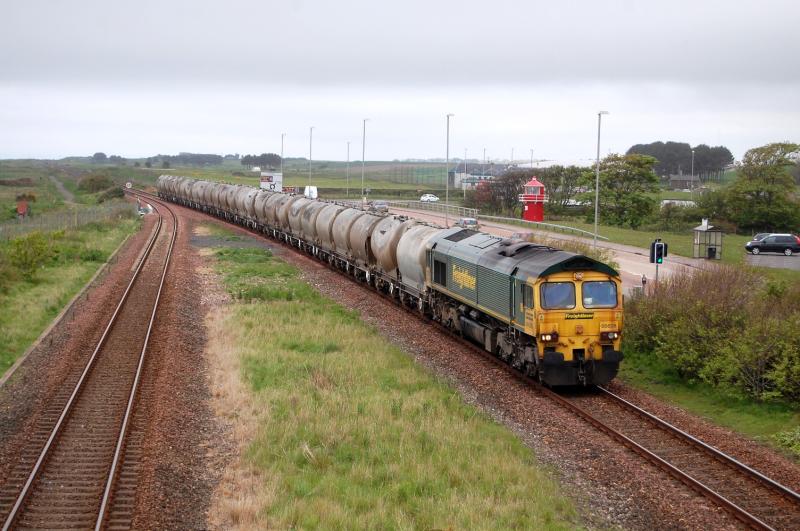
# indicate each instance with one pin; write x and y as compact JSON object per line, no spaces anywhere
{"x":549,"y":337}
{"x":606,"y":336}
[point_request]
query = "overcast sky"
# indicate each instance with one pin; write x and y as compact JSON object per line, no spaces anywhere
{"x":142,"y":77}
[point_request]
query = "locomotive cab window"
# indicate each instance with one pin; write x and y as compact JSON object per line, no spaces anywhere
{"x":440,"y":273}
{"x":558,"y":295}
{"x":527,"y":296}
{"x":599,"y":294}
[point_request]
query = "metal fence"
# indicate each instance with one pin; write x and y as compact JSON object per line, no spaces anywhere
{"x":435,"y":206}
{"x":540,"y":225}
{"x":65,"y":219}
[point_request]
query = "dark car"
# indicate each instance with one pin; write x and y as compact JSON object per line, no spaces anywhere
{"x":787,"y":244}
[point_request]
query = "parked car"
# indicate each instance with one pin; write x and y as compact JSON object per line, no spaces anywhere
{"x":379,"y":206}
{"x":428,"y":198}
{"x":787,"y":244}
{"x":467,"y":223}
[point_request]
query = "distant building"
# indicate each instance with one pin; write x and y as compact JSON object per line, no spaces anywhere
{"x":684,"y":182}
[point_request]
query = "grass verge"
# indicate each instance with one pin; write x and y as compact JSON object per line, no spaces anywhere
{"x":775,"y":423}
{"x":28,"y":306}
{"x":353,"y":434}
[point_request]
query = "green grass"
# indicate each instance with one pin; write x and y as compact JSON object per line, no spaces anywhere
{"x":776,"y":424}
{"x":354,"y":434}
{"x":27,"y":307}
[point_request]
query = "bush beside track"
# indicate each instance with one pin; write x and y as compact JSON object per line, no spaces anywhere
{"x":41,"y":272}
{"x":722,"y":343}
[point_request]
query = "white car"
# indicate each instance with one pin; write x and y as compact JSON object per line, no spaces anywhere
{"x":428,"y":198}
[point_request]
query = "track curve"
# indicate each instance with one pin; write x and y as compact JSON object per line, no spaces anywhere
{"x":66,"y":473}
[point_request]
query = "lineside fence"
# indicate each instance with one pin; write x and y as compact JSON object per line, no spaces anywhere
{"x":65,"y":219}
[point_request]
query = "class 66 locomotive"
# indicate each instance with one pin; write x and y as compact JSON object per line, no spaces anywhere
{"x":554,"y":315}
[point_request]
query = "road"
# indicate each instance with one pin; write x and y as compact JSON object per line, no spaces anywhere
{"x":777,"y":261}
{"x":634,"y":262}
{"x":69,"y":197}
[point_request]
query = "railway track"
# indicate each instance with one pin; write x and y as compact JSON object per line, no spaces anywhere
{"x":756,"y":500}
{"x":68,"y":472}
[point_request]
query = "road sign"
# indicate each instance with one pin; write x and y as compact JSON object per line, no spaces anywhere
{"x":128,"y":185}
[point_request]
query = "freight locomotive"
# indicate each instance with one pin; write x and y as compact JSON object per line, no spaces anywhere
{"x":555,"y":315}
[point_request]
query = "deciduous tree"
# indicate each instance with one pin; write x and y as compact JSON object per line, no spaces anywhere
{"x":625,"y":182}
{"x":764,"y":196}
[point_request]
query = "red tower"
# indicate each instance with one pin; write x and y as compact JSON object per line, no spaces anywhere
{"x":532,"y":199}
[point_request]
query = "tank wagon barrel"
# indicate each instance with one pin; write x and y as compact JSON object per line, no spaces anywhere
{"x":552,"y":314}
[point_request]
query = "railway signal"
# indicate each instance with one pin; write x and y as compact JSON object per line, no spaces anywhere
{"x":658,"y":251}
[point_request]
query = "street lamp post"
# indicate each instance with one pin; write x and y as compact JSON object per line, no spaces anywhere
{"x":282,"y":137}
{"x":691,"y":185}
{"x":348,"y":168}
{"x":597,"y":178}
{"x":447,"y":175}
{"x":310,"y":142}
{"x":363,"y":152}
{"x":484,"y":162}
{"x":463,"y":180}
{"x":531,"y":159}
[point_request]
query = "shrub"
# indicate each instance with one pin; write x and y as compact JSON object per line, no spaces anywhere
{"x":93,"y":255}
{"x":7,"y":272}
{"x":725,"y":326}
{"x":28,"y":253}
{"x":112,"y":193}
{"x":95,"y":183}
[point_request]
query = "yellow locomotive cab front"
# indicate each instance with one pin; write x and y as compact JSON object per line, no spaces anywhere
{"x":577,"y":324}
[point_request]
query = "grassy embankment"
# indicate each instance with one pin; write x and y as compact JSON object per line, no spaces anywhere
{"x":28,"y":306}
{"x":353,"y":434}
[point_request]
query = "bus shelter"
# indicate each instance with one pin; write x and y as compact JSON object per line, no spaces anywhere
{"x":707,"y":241}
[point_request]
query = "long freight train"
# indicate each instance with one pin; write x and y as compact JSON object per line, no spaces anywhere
{"x":552,"y":314}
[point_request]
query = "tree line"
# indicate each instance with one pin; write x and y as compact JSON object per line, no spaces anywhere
{"x":265,"y":160}
{"x":764,"y":196}
{"x":676,"y":158}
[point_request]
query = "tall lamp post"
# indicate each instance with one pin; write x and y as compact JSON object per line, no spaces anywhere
{"x":531,"y":159}
{"x":283,"y":135}
{"x":363,"y":152}
{"x":447,"y":175}
{"x":597,"y":178}
{"x":691,"y":186}
{"x":310,"y":141}
{"x":463,"y":181}
{"x":348,"y":168}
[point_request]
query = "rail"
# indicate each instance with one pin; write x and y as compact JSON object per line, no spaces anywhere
{"x":540,"y":225}
{"x":739,"y":512}
{"x":67,"y":410}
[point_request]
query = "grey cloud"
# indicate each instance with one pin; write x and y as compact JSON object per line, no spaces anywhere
{"x":414,"y":43}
